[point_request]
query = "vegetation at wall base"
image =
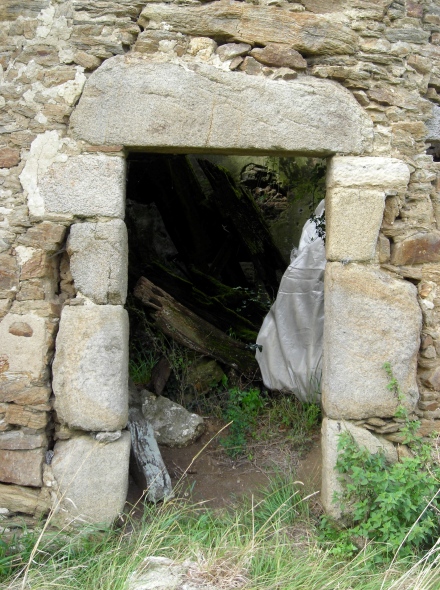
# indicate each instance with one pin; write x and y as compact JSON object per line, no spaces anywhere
{"x":268,"y":543}
{"x":395,"y":505}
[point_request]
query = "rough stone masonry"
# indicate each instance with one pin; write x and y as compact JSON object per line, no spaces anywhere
{"x":83,"y":82}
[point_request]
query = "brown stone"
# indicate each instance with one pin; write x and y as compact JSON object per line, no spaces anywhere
{"x":417,"y":249}
{"x":280,"y":56}
{"x":57,"y":76}
{"x":9,"y":157}
{"x":430,"y":406}
{"x":382,"y":95}
{"x":420,"y":64}
{"x":427,"y":340}
{"x":431,"y":378}
{"x":149,"y":41}
{"x":416,"y":129}
{"x":22,"y":467}
{"x":20,"y":329}
{"x":30,"y":290}
{"x":24,"y":416}
{"x":251,"y":66}
{"x":46,"y":235}
{"x":384,"y":249}
{"x":4,"y":363}
{"x":414,"y":10}
{"x":31,"y":396}
{"x":8,"y":272}
{"x":87,"y":61}
{"x":239,"y":21}
{"x":37,"y":267}
{"x":19,"y":440}
{"x":18,"y":498}
{"x":235,"y":62}
{"x":427,"y":427}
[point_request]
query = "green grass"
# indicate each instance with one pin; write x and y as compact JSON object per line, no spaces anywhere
{"x":270,"y":544}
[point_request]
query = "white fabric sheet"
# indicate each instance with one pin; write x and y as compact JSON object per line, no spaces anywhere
{"x":291,"y":334}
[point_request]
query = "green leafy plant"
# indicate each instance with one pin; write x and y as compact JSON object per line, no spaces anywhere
{"x":396,"y":505}
{"x":242,"y":409}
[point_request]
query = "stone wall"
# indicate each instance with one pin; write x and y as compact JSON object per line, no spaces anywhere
{"x":355,"y":78}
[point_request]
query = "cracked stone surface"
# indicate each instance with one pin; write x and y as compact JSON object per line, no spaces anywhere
{"x":220,"y":109}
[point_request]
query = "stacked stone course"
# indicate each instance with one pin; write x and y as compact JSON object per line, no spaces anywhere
{"x":55,"y":223}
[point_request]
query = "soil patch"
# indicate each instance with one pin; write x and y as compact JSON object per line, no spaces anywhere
{"x":204,"y":473}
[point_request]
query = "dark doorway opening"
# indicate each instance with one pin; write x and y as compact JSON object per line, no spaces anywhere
{"x":209,"y":239}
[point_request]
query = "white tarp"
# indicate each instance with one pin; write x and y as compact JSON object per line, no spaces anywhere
{"x":291,"y":334}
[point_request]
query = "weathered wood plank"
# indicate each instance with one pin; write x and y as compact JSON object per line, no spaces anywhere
{"x":189,"y":330}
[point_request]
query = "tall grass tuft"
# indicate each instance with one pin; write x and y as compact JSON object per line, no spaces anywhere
{"x":267,"y":544}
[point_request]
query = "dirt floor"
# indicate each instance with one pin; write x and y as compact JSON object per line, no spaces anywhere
{"x":204,"y":473}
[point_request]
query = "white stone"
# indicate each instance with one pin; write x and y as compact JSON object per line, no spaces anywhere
{"x":353,"y":219}
{"x":90,"y":370}
{"x":373,"y":172}
{"x":25,"y":354}
{"x":331,"y":430}
{"x":92,"y":478}
{"x":173,"y":425}
{"x":99,"y":260}
{"x":370,"y":318}
{"x":88,"y":185}
{"x":131,"y":101}
{"x":44,"y":152}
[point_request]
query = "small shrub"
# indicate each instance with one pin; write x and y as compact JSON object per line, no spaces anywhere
{"x":398,"y":505}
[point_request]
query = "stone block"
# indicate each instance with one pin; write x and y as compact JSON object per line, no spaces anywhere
{"x":8,"y":274}
{"x":25,"y":354}
{"x":90,"y":370}
{"x":418,"y":248}
{"x":279,"y":56}
{"x":24,"y":468}
{"x":240,"y":21}
{"x":367,"y":172}
{"x":99,"y":260}
{"x":23,"y":416}
{"x":356,"y":190}
{"x":9,"y":157}
{"x":20,"y":440}
{"x":353,"y":219}
{"x":20,"y":393}
{"x":180,"y":107}
{"x":19,"y":499}
{"x":370,"y":318}
{"x":232,"y":50}
{"x":331,"y":430}
{"x":47,"y":236}
{"x":85,"y":185}
{"x":433,"y":126}
{"x":92,"y":478}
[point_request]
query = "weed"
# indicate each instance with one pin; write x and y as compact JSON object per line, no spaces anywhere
{"x":299,"y":420}
{"x":242,"y":409}
{"x":398,"y":505}
{"x":148,"y":346}
{"x":141,"y":365}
